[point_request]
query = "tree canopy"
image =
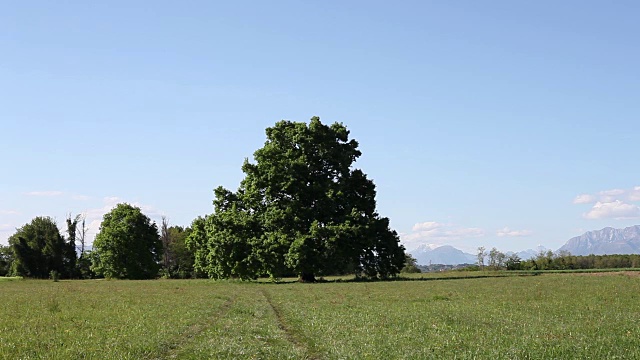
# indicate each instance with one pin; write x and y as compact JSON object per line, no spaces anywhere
{"x":300,"y":209}
{"x":38,"y":249}
{"x":127,"y":246}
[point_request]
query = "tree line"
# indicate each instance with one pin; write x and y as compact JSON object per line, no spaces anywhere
{"x":302,"y":210}
{"x":549,"y":260}
{"x":127,"y":246}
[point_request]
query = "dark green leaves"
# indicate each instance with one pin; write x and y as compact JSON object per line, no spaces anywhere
{"x":301,"y":209}
{"x":38,"y":249}
{"x":128,"y":245}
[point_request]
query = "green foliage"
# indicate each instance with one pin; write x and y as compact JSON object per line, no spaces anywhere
{"x":128,"y":245}
{"x":83,"y":266}
{"x":410,"y":265}
{"x":177,"y":259}
{"x":563,"y":260}
{"x":513,"y":262}
{"x":38,"y":248}
{"x":196,"y":243}
{"x":6,"y":259}
{"x":300,"y":209}
{"x":182,"y":259}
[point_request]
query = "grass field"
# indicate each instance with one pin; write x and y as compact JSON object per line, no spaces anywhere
{"x":549,"y":316}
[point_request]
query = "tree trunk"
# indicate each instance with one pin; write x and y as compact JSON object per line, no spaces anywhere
{"x":307,"y":278}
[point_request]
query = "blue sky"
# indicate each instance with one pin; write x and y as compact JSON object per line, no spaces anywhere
{"x":495,"y":123}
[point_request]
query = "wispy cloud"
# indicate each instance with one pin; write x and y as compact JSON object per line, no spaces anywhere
{"x":506,"y":232}
{"x":433,"y":232}
{"x":44,"y":193}
{"x":5,"y":227}
{"x":9,"y":212}
{"x":613,"y":210}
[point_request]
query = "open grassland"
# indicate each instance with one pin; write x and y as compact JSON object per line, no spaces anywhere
{"x":560,"y":316}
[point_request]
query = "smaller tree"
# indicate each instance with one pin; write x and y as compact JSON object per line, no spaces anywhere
{"x":38,"y":249}
{"x":82,"y":233}
{"x":166,"y":244}
{"x":177,"y":259}
{"x":493,"y":258}
{"x":72,"y":225}
{"x":513,"y":262}
{"x":127,"y":246}
{"x":410,"y":265}
{"x":182,"y":258}
{"x":482,"y":253}
{"x":197,"y":244}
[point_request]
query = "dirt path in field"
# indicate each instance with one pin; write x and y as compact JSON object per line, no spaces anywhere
{"x":287,"y":330}
{"x":195,"y":329}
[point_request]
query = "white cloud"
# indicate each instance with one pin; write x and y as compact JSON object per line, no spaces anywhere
{"x":613,"y":210}
{"x":44,"y":193}
{"x":512,"y":233}
{"x":584,"y":199}
{"x":634,"y":195}
{"x":5,"y":227}
{"x":80,"y":197}
{"x":427,"y":226}
{"x":9,"y":212}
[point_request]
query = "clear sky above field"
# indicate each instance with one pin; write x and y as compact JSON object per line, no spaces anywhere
{"x":495,"y":123}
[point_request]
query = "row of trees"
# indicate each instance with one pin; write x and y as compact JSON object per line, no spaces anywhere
{"x":127,"y":246}
{"x":549,"y":260}
{"x":300,"y":210}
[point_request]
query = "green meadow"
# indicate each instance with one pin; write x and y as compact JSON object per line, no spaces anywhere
{"x":548,"y":316}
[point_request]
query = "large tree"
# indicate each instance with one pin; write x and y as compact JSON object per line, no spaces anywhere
{"x":127,"y":246}
{"x":39,"y":249}
{"x":301,"y":209}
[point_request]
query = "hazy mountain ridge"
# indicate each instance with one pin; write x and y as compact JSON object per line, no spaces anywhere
{"x":606,"y":241}
{"x":529,"y":253}
{"x":446,"y":254}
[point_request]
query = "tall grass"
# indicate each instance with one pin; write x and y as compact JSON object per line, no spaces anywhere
{"x":568,"y":316}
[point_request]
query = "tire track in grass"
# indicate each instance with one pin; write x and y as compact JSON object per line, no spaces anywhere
{"x":194,"y":330}
{"x":289,"y":333}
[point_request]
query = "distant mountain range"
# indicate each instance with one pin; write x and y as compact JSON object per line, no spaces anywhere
{"x":447,"y":255}
{"x":607,"y":241}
